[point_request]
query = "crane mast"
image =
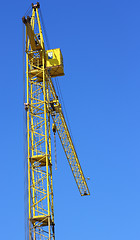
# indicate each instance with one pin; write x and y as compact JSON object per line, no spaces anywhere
{"x":42,"y":105}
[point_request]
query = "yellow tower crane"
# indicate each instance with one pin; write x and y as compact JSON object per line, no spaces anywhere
{"x":42,"y":105}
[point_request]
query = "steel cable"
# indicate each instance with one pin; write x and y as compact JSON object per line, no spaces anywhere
{"x":44,"y":29}
{"x":25,"y":142}
{"x":63,"y":107}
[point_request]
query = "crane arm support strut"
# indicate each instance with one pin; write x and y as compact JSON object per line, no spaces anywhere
{"x":66,"y":140}
{"x":70,"y":152}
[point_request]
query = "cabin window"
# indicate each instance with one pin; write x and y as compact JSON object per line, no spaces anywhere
{"x":50,"y":55}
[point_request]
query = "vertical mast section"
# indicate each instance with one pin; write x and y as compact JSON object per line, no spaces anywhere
{"x":40,"y":187}
{"x":42,"y":102}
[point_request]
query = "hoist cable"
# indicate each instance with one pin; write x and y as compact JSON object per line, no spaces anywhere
{"x":57,"y":83}
{"x":25,"y":141}
{"x":55,"y":151}
{"x":63,"y":107}
{"x":24,"y":128}
{"x":44,"y":29}
{"x":28,"y":11}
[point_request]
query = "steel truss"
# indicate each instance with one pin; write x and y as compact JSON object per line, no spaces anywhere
{"x":43,"y":103}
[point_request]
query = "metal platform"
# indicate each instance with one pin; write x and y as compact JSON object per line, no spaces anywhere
{"x":41,"y":159}
{"x":42,"y":220}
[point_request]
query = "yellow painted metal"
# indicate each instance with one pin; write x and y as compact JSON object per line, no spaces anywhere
{"x":33,"y":38}
{"x":40,"y":190}
{"x":42,"y":105}
{"x":67,"y":144}
{"x":54,"y":62}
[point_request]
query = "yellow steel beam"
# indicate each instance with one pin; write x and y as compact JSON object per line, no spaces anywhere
{"x":68,"y":145}
{"x":43,"y":102}
{"x":38,"y":132}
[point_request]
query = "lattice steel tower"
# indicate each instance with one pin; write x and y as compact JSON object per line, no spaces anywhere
{"x":42,"y":103}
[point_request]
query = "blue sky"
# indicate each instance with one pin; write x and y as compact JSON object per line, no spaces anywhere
{"x":100,"y":42}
